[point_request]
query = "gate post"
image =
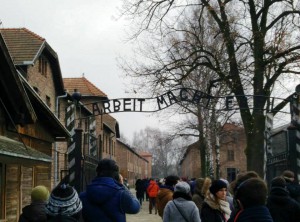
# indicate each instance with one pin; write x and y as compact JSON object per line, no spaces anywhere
{"x":295,"y":119}
{"x":78,"y":158}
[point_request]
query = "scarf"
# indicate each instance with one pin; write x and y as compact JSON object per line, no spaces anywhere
{"x":221,"y":205}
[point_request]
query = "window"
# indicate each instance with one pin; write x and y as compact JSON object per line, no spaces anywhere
{"x":43,"y":66}
{"x":231,"y":174}
{"x":230,"y":155}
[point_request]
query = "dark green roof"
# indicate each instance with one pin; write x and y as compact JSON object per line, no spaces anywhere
{"x":13,"y":148}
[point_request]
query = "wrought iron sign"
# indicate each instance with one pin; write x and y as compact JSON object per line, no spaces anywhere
{"x":160,"y":102}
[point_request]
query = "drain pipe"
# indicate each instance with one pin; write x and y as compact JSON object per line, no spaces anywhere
{"x":55,"y":144}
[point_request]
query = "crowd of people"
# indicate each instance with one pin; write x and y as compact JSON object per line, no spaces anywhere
{"x":247,"y":199}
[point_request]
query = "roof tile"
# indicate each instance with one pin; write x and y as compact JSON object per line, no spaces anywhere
{"x":84,"y":86}
{"x":22,"y":44}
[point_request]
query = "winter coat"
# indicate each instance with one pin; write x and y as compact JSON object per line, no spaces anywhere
{"x":282,"y":207}
{"x":139,"y":187}
{"x":62,"y":218}
{"x":201,"y":187}
{"x":254,"y":214}
{"x":294,"y":190}
{"x":107,"y":200}
{"x":183,"y":211}
{"x":152,"y":189}
{"x":213,"y":211}
{"x":35,"y":212}
{"x":209,"y":214}
{"x":165,"y":194}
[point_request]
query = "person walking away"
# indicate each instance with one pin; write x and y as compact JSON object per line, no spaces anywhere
{"x":165,"y":193}
{"x":146,"y":182}
{"x":233,"y":188}
{"x":215,"y":207}
{"x":181,"y":208}
{"x":105,"y":199}
{"x":281,"y":206}
{"x":251,"y":197}
{"x":152,"y":191}
{"x":64,"y":205}
{"x":293,"y":188}
{"x":139,"y":188}
{"x":35,"y":212}
{"x":201,"y":188}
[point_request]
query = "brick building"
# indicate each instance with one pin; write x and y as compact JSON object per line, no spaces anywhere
{"x":132,"y":165}
{"x":148,"y":157}
{"x":28,"y":125}
{"x":232,"y":154}
{"x":39,"y":114}
{"x":190,"y":163}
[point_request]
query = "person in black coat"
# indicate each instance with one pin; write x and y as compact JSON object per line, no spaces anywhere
{"x":35,"y":212}
{"x":281,"y":206}
{"x":251,"y":197}
{"x":291,"y":185}
{"x":139,"y":187}
{"x":64,"y":204}
{"x":215,"y":207}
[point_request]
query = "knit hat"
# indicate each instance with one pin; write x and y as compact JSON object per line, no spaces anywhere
{"x":40,"y":193}
{"x":278,"y":182}
{"x":288,"y":175}
{"x":217,"y":185}
{"x":64,"y":200}
{"x":182,"y":187}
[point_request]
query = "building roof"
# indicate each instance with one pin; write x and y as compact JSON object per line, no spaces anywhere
{"x":25,"y":47}
{"x":84,"y":86}
{"x":112,"y":124}
{"x":132,"y":150}
{"x":12,"y":148}
{"x":12,"y":92}
{"x":145,"y":154}
{"x":22,"y":44}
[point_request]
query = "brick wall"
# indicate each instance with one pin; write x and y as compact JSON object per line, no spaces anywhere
{"x":44,"y":83}
{"x":232,"y":140}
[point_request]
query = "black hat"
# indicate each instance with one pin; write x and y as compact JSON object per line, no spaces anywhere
{"x":63,"y":200}
{"x":217,"y":185}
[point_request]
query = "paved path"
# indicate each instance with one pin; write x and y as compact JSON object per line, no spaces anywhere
{"x":143,"y":215}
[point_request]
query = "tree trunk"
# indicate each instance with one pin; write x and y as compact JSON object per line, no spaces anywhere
{"x":255,"y":150}
{"x":203,"y":151}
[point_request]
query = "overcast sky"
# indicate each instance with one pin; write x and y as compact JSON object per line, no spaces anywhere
{"x":87,"y":39}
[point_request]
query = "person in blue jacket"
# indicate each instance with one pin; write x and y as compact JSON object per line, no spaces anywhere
{"x":105,"y":199}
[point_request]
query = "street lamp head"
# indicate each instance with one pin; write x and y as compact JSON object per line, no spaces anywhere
{"x":76,"y":95}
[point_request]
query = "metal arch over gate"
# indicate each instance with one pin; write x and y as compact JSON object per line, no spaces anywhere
{"x":158,"y":103}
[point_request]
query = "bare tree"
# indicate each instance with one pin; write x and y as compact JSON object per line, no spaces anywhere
{"x":260,"y":43}
{"x":166,"y":150}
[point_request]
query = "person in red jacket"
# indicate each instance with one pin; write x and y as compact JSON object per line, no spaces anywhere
{"x":152,"y":191}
